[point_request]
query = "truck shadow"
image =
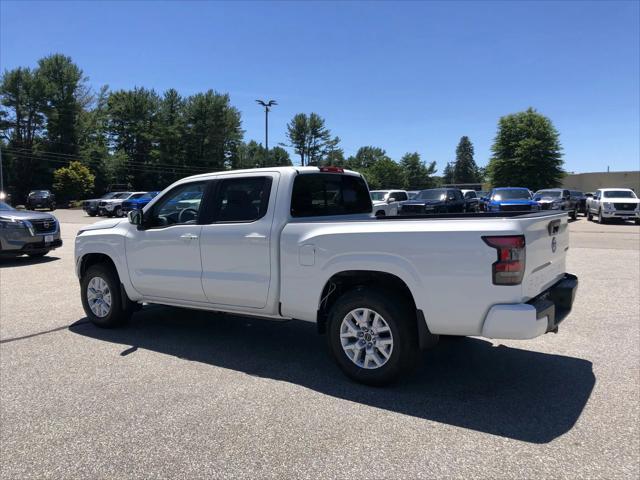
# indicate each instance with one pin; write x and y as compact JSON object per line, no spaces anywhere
{"x":519,"y":394}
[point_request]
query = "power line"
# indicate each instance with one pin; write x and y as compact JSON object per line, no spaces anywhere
{"x":53,"y":157}
{"x":133,"y":168}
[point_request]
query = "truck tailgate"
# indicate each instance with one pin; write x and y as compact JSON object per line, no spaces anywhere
{"x":547,"y":242}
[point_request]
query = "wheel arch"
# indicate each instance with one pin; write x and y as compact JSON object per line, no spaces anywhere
{"x":344,"y":281}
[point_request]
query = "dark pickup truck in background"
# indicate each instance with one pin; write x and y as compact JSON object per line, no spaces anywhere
{"x":435,"y":200}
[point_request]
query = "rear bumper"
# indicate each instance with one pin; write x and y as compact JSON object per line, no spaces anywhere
{"x":538,"y":316}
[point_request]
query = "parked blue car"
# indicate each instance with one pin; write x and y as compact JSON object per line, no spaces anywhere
{"x":138,"y":203}
{"x":511,"y":199}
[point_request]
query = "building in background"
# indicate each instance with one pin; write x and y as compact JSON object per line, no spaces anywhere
{"x":588,"y":182}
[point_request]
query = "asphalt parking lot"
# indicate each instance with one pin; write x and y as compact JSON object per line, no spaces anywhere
{"x":178,"y":393}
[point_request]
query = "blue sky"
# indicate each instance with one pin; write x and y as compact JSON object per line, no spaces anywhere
{"x":402,"y":76}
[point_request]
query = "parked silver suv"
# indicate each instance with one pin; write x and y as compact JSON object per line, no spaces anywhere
{"x":23,"y":232}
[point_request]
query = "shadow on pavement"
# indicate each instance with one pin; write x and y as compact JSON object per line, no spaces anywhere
{"x":520,"y":394}
{"x":24,"y":260}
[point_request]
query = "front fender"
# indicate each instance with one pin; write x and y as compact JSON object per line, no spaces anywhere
{"x":109,"y":243}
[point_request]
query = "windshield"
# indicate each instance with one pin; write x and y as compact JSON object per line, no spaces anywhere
{"x":109,"y":195}
{"x":619,"y":194}
{"x":547,"y":194}
{"x":4,"y":206}
{"x":432,"y":195}
{"x":516,"y":194}
{"x":121,"y":195}
{"x":378,"y":196}
{"x":39,"y":192}
{"x":137,"y":195}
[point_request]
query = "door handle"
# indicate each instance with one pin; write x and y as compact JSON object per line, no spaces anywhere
{"x":255,"y":236}
{"x":189,"y":236}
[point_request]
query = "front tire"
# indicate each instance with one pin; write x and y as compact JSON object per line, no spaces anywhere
{"x":101,"y":297}
{"x":372,"y":335}
{"x":118,"y":212}
{"x":601,"y":219}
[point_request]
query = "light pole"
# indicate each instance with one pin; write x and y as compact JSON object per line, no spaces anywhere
{"x":267,"y":106}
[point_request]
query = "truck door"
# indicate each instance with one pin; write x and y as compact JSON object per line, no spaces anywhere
{"x":235,"y":244}
{"x":164,"y":257}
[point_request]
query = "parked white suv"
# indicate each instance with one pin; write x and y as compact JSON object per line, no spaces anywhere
{"x":609,"y":203}
{"x":301,"y":243}
{"x":112,"y":207}
{"x":385,"y":202}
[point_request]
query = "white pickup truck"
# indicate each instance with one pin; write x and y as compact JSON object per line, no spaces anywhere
{"x":302,"y":243}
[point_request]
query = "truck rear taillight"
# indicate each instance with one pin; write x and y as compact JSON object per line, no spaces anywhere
{"x":509,"y":269}
{"x":332,"y":169}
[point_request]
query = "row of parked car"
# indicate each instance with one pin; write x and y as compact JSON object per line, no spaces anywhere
{"x":117,"y":204}
{"x":621,"y":203}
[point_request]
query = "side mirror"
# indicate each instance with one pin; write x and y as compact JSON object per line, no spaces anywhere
{"x":135,"y":217}
{"x":391,"y":200}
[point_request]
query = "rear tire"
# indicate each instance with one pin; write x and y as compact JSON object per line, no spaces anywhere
{"x":388,"y":346}
{"x":589,"y":216}
{"x":574,"y":215}
{"x":101,"y":297}
{"x":381,"y":213}
{"x":92,"y":214}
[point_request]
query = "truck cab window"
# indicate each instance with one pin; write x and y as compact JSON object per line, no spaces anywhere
{"x":242,"y":199}
{"x":178,"y":207}
{"x":325,"y":194}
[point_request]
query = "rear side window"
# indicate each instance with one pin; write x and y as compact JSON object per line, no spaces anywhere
{"x":399,"y":196}
{"x":242,"y":199}
{"x":324,"y":194}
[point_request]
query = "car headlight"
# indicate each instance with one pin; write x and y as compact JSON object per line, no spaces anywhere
{"x":608,"y":205}
{"x":9,"y":222}
{"x":14,"y":224}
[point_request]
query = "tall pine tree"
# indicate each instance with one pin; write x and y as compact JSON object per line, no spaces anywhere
{"x":465,"y":169}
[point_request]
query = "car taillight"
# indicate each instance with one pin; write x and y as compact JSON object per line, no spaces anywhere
{"x":509,"y":269}
{"x":332,"y":169}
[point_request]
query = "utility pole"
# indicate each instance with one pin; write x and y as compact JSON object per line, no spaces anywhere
{"x":267,"y":106}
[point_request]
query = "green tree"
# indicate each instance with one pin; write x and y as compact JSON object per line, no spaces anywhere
{"x":310,"y":138}
{"x":526,"y":152}
{"x":366,"y":157}
{"x":66,"y":95}
{"x":385,"y":173}
{"x":465,"y":169}
{"x":23,"y":99}
{"x":73,"y":182}
{"x":448,"y":175}
{"x":278,"y":157}
{"x":169,"y":131}
{"x":93,"y":140}
{"x":213,"y":131}
{"x":335,"y":158}
{"x":418,"y":175}
{"x":132,"y":123}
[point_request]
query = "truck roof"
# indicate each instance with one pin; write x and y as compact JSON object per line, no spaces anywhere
{"x":271,"y":169}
